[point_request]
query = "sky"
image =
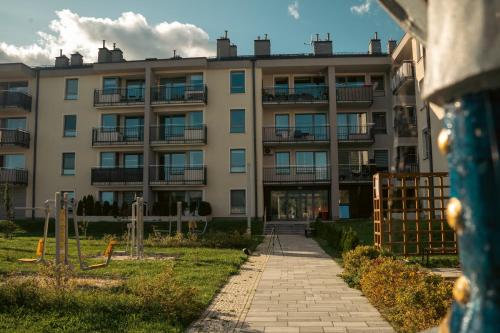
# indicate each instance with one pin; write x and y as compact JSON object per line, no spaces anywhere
{"x":33,"y":31}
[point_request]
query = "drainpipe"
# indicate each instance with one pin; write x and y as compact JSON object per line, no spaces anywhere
{"x":254,"y":134}
{"x":35,"y":141}
{"x":429,"y":130}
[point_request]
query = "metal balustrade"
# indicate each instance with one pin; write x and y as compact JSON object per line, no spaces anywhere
{"x":355,"y":133}
{"x":182,"y":175}
{"x":285,"y":95}
{"x":15,"y":99}
{"x":117,"y":135}
{"x":116,"y":176}
{"x":357,"y":172}
{"x":355,"y":94}
{"x":404,"y":73}
{"x":178,"y":134}
{"x":179,"y":94}
{"x":272,"y":134}
{"x":14,"y":137}
{"x":118,"y":96}
{"x":13,"y":176}
{"x":294,"y":174}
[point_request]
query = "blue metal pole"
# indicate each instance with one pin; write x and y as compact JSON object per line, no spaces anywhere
{"x":471,"y":137}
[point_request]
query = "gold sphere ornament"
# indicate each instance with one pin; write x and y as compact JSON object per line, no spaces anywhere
{"x":444,"y":141}
{"x":461,"y":290}
{"x":454,"y":214}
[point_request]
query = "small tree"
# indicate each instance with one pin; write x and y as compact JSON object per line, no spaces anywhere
{"x":106,"y":208}
{"x":115,"y":210}
{"x":89,"y":206}
{"x":7,"y":202}
{"x":80,"y":208}
{"x":125,"y":211}
{"x":97,"y":209}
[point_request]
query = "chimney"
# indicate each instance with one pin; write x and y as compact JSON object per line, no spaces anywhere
{"x":76,"y":59}
{"x":391,"y":45}
{"x":262,"y":47}
{"x":375,"y":47}
{"x":116,"y":54}
{"x":323,"y":47}
{"x":233,"y":50}
{"x":62,"y":60}
{"x":223,"y":46}
{"x":104,"y":54}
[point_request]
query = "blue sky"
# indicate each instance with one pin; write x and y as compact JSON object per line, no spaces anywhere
{"x":289,"y":30}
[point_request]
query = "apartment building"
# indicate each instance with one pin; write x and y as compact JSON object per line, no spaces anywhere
{"x":292,"y":137}
{"x":416,"y":123}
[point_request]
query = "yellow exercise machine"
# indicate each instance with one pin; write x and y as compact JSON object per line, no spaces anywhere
{"x":62,"y":207}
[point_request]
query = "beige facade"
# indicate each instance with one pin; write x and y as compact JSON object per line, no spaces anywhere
{"x":312,"y":130}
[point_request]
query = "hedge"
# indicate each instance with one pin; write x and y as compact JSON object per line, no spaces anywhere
{"x":411,"y":298}
{"x":340,"y":239}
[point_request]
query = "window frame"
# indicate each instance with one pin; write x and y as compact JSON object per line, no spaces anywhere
{"x":71,"y":97}
{"x":237,"y":89}
{"x":237,"y":129}
{"x":231,"y":212}
{"x":63,"y":170}
{"x":244,"y":169}
{"x":66,"y":132}
{"x":377,"y":130}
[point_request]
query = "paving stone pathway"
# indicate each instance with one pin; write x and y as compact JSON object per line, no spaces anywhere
{"x":295,"y":293}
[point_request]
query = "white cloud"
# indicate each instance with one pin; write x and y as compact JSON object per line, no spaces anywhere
{"x":362,"y":8}
{"x":132,"y":33}
{"x":293,"y":10}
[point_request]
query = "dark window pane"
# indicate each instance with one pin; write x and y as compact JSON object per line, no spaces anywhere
{"x":68,"y":163}
{"x":238,"y":204}
{"x":71,"y":89}
{"x":70,"y":125}
{"x":237,"y":82}
{"x":237,"y":121}
{"x":238,"y":160}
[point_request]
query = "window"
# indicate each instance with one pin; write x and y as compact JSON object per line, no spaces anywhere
{"x":351,"y":123}
{"x":110,"y":85}
{"x":71,"y":195}
{"x":237,"y":82}
{"x":282,"y":163}
{"x":15,"y":123}
{"x":353,"y":80}
{"x":108,"y":197}
{"x":195,"y":119}
{"x":132,"y":160}
{"x":281,"y":85}
{"x":108,"y":160}
{"x":238,"y":202}
{"x":426,"y":137}
{"x":238,"y":160}
{"x":381,"y":157}
{"x":312,"y":161}
{"x":311,"y":124}
{"x":196,"y":81}
{"x":378,"y":82}
{"x":237,"y":121}
{"x":70,"y":125}
{"x":109,"y":121}
{"x":380,"y":122}
{"x":71,"y":89}
{"x":68,"y":164}
{"x":14,"y":161}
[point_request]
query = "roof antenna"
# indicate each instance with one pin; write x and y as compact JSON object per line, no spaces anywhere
{"x":265,"y":36}
{"x":328,"y":36}
{"x":103,"y":43}
{"x":225,"y":34}
{"x":114,"y":46}
{"x":60,"y":52}
{"x":174,"y":53}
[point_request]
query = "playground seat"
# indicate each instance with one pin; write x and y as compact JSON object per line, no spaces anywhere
{"x":39,"y":252}
{"x":109,"y":249}
{"x":96,"y":266}
{"x":28,"y":260}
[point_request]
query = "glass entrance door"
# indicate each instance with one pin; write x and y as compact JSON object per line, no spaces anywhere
{"x":299,"y":205}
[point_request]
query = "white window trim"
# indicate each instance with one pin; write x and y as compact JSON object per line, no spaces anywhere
{"x":246,"y":161}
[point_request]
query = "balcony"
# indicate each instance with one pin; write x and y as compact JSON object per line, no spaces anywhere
{"x":299,"y":95}
{"x":13,"y":176}
{"x":15,"y":99}
{"x":290,"y":175}
{"x":116,"y":176}
{"x":304,"y":134}
{"x":401,"y":80}
{"x":163,"y":175}
{"x":355,"y":95}
{"x":118,"y":97}
{"x":184,"y":94}
{"x":14,"y":137}
{"x":116,"y":136}
{"x":181,"y":134}
{"x":355,"y":134}
{"x":356,"y":173}
{"x":405,"y":129}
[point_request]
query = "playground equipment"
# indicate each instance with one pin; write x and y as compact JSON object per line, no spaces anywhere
{"x":135,"y":243}
{"x":62,"y":207}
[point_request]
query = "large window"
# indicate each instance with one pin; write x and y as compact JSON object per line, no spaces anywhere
{"x":351,"y":123}
{"x":237,"y":82}
{"x":109,"y":121}
{"x":68,"y":164}
{"x":237,"y":121}
{"x":133,"y":160}
{"x":70,"y":125}
{"x":71,"y":89}
{"x":238,"y":160}
{"x":107,"y":196}
{"x":283,"y":162}
{"x":196,"y":82}
{"x":311,"y":124}
{"x":14,"y":161}
{"x":108,"y":160}
{"x":15,"y":123}
{"x":238,"y":202}
{"x":110,"y":85}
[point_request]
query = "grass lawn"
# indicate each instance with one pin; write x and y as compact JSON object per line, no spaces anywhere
{"x":196,"y":275}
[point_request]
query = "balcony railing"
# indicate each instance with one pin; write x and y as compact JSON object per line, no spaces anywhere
{"x":116,"y":176}
{"x":307,"y":134}
{"x":103,"y":136}
{"x":179,"y":94}
{"x":355,"y":94}
{"x":357,"y":172}
{"x":118,"y":96}
{"x":178,"y":134}
{"x":295,"y":174}
{"x":183,"y":175}
{"x":14,"y":137}
{"x":355,"y":133}
{"x":14,"y":176}
{"x":297,"y":95}
{"x":15,"y":99}
{"x":403,"y":74}
{"x":407,"y":164}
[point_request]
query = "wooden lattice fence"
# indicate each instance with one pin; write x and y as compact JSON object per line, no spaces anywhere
{"x":409,"y":212}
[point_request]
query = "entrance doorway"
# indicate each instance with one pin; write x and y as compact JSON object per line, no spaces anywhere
{"x":298,"y":205}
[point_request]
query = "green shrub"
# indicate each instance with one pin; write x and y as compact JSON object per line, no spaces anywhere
{"x":7,"y":228}
{"x":410,"y":298}
{"x":115,"y":210}
{"x":97,"y":208}
{"x":355,"y":262}
{"x":339,"y":238}
{"x":106,"y":208}
{"x":349,"y":240}
{"x":204,"y":209}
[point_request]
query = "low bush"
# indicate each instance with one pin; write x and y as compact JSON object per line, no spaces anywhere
{"x":355,"y":262}
{"x":409,"y":297}
{"x":7,"y":228}
{"x":212,"y":239}
{"x":340,"y":239}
